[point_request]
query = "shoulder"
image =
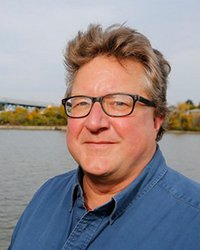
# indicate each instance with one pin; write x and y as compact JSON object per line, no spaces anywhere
{"x":181,"y":188}
{"x":53,"y":190}
{"x":58,"y":183}
{"x":53,"y":195}
{"x":61,"y":179}
{"x":56,"y":190}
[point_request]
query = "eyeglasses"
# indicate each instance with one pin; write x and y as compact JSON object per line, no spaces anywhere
{"x":114,"y":105}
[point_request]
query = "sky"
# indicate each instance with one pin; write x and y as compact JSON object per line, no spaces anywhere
{"x":34,"y":34}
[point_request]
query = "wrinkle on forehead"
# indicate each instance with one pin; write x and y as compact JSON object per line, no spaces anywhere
{"x":103,"y":73}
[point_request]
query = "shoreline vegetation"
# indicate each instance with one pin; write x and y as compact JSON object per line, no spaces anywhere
{"x":185,"y":117}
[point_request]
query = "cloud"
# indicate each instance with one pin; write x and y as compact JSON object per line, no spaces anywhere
{"x":34,"y":36}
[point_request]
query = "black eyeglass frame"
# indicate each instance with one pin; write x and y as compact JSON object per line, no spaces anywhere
{"x":136,"y":98}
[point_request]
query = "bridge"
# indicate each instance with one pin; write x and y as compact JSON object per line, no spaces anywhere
{"x":9,"y":103}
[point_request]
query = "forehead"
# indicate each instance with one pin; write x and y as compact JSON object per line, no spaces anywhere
{"x":104,"y":75}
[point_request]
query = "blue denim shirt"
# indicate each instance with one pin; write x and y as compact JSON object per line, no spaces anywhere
{"x":160,"y":210}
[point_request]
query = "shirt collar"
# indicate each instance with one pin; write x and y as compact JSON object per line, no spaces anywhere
{"x":77,"y":187}
{"x":77,"y":191}
{"x":149,"y":177}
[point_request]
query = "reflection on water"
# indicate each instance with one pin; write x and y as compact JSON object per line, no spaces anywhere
{"x":28,"y":158}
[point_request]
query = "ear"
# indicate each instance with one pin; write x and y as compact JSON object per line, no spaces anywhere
{"x":158,"y":121}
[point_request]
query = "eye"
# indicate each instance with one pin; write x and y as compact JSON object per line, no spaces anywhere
{"x":120,"y":103}
{"x":79,"y":103}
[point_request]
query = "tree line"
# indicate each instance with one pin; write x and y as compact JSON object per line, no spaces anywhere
{"x":185,"y":116}
{"x":50,"y":116}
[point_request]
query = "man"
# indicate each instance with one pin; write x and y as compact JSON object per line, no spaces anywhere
{"x":123,"y":195}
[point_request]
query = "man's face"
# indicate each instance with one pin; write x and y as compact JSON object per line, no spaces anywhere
{"x":117,"y":148}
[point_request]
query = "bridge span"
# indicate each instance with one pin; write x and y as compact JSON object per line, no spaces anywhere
{"x":7,"y":103}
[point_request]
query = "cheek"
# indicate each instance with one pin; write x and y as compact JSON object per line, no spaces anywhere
{"x":72,"y":132}
{"x":127,"y":129}
{"x":147,"y":127}
{"x":136,"y":128}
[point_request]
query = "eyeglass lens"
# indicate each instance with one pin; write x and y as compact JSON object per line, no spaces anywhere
{"x":113,"y":105}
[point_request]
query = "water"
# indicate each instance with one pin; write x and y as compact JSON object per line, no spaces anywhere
{"x":28,"y":158}
{"x":182,"y":152}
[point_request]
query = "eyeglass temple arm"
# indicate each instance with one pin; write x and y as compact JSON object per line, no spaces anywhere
{"x":146,"y":101}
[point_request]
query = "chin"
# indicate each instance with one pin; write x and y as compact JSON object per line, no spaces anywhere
{"x":95,"y":172}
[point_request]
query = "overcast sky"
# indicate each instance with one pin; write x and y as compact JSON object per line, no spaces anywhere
{"x":33,"y":36}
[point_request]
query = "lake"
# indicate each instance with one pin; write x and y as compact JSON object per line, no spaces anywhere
{"x":29,"y":158}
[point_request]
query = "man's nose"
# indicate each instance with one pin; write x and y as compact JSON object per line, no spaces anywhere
{"x":97,"y":119}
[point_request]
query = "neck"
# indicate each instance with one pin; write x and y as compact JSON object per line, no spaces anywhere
{"x":98,"y":191}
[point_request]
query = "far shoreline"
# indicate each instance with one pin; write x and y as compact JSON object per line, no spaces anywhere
{"x":63,"y":128}
{"x":20,"y":127}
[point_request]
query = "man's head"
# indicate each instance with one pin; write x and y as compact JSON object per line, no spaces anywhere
{"x":116,"y":102}
{"x":122,"y":43}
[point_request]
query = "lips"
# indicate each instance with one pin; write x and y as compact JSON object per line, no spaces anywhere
{"x":99,"y":145}
{"x":99,"y":142}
